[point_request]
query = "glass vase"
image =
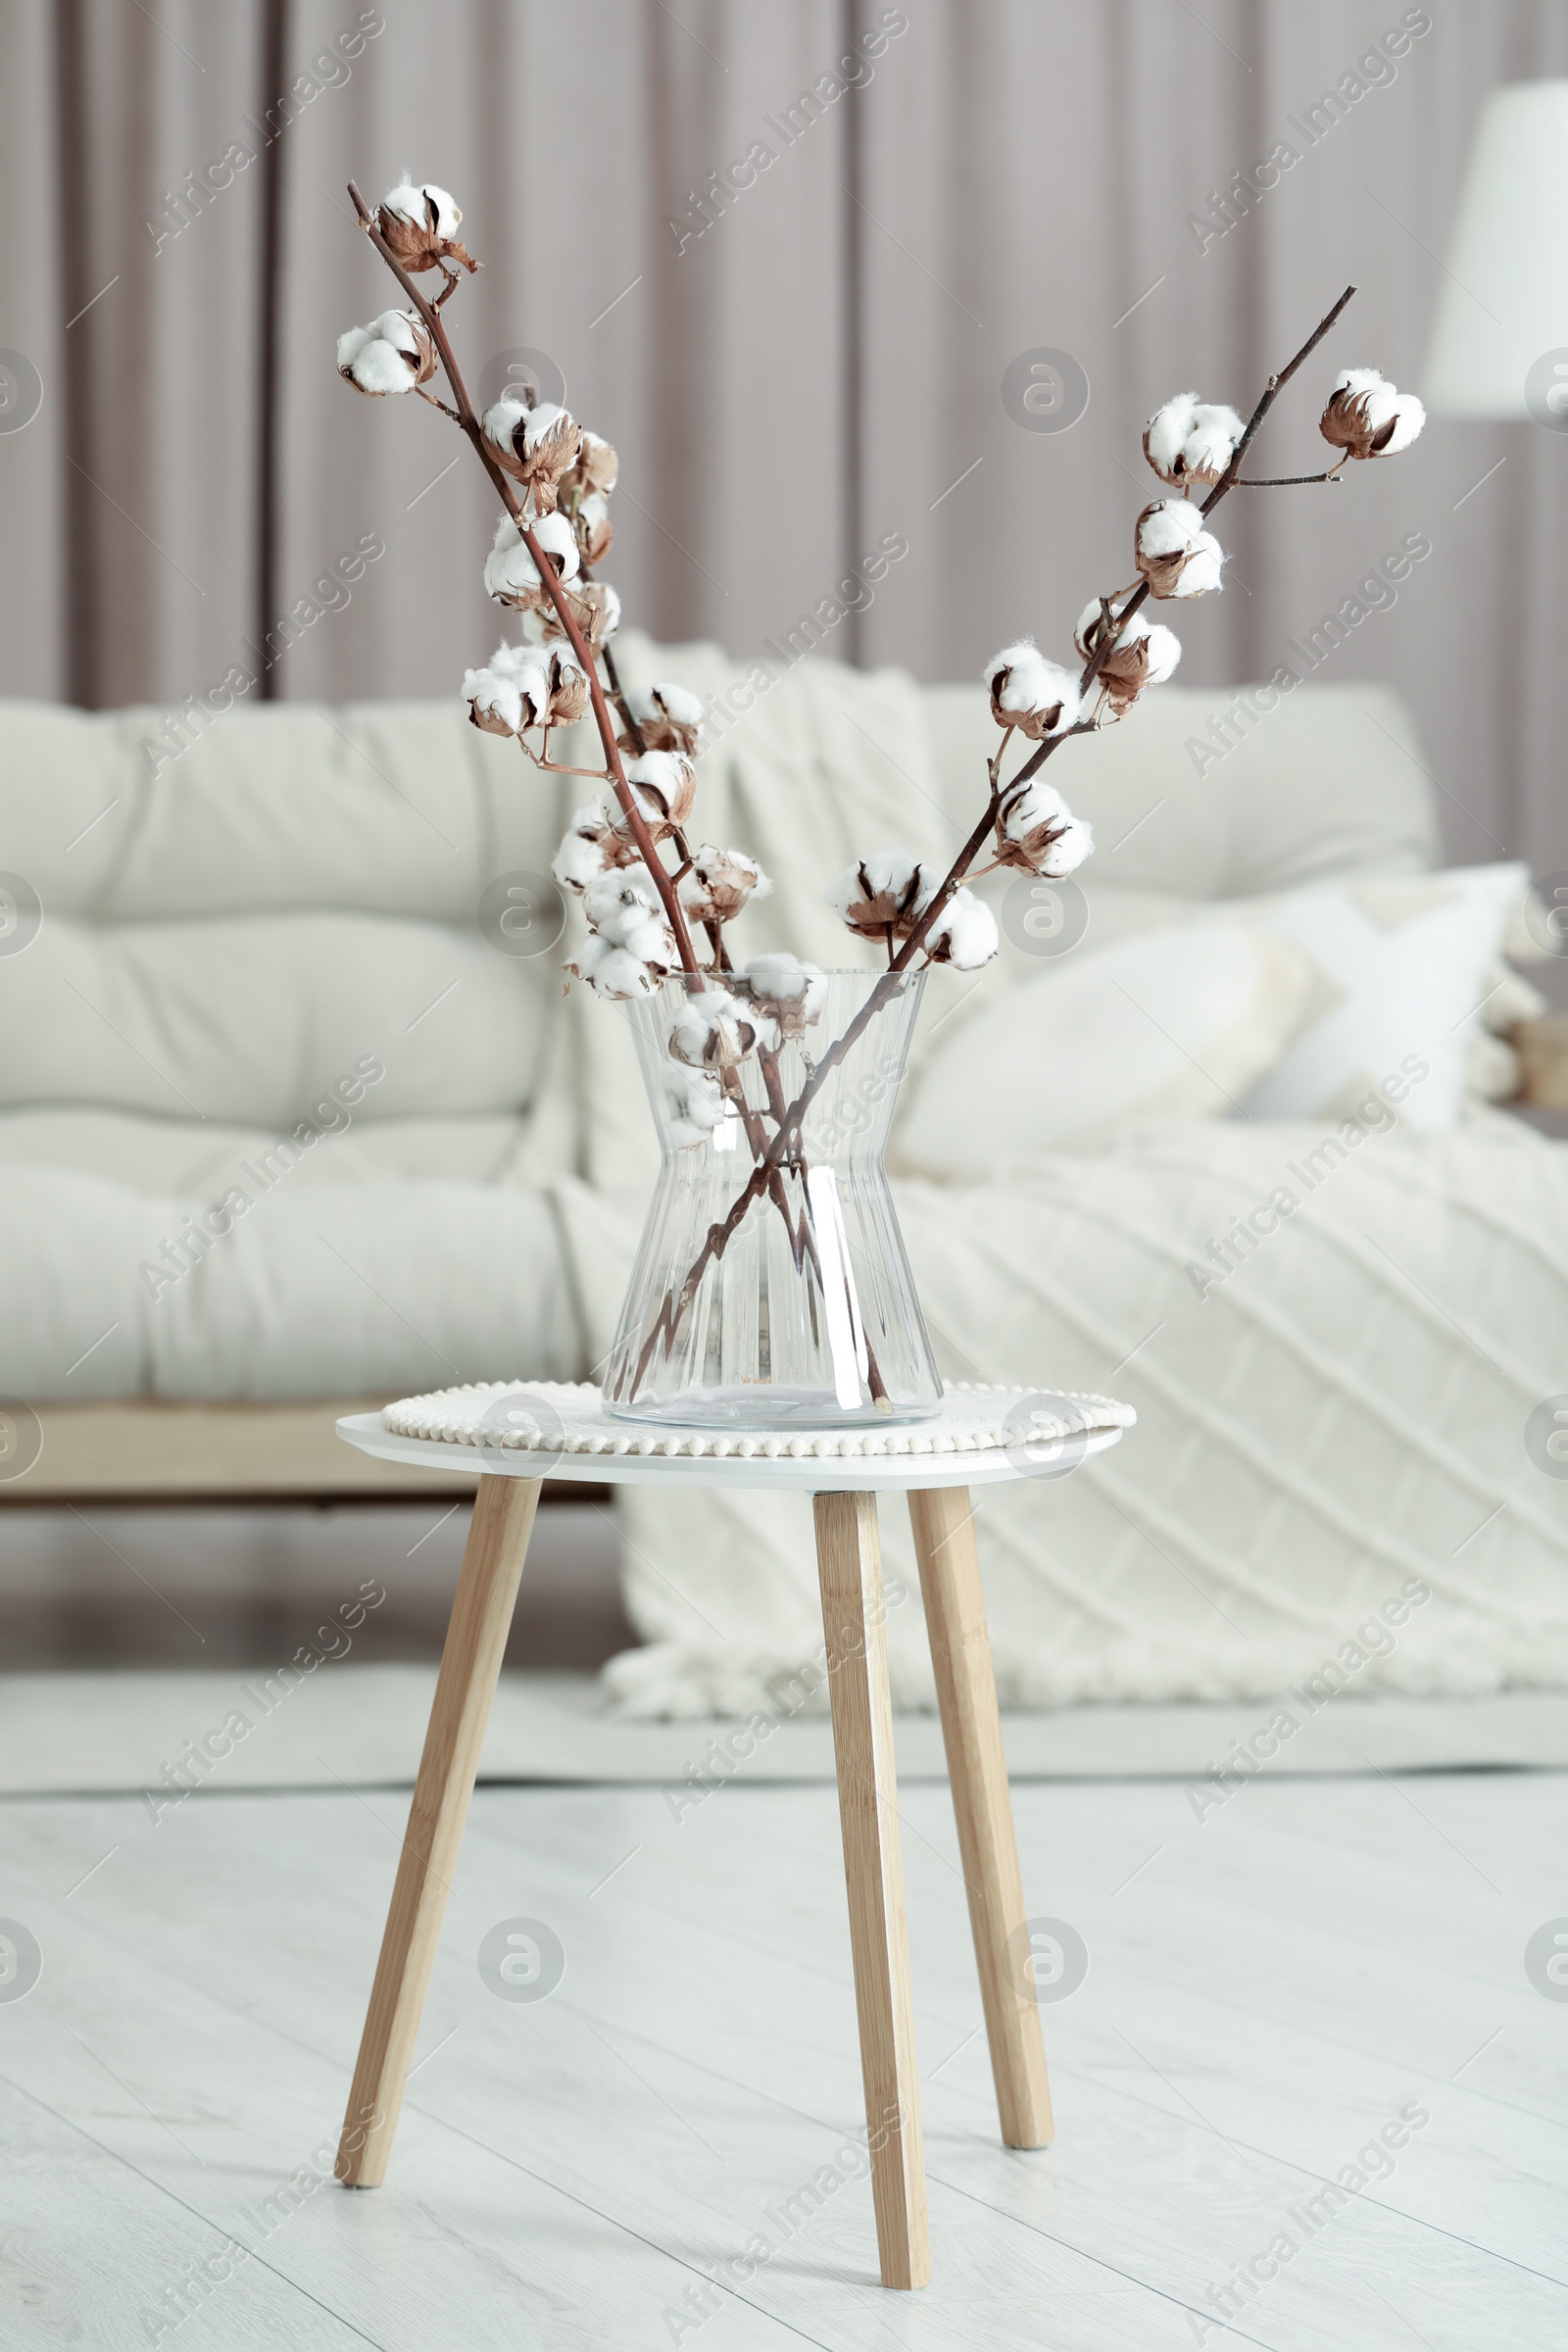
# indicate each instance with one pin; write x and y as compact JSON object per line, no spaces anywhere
{"x":771,"y":1290}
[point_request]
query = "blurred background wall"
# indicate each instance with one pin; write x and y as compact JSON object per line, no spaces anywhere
{"x":810,"y":360}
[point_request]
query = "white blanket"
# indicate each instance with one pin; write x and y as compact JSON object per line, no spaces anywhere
{"x":1337,"y":1424}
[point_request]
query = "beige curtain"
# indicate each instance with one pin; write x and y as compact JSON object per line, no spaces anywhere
{"x":817,"y":373}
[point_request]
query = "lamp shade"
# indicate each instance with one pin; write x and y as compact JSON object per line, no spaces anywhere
{"x":1504,"y":302}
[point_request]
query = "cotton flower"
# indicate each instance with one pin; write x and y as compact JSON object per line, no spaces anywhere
{"x":510,"y":574}
{"x":630,"y":946}
{"x":495,"y":696}
{"x":590,"y":520}
{"x":1189,"y":441}
{"x":713,"y":1031}
{"x":665,"y":787}
{"x":419,"y":224}
{"x":669,"y":718}
{"x":1038,"y":833}
{"x":393,"y":353}
{"x":694,"y":1104}
{"x":882,"y":895}
{"x":594,"y":604}
{"x":596,"y":468}
{"x":1027,"y":692}
{"x":719,"y":883}
{"x":526,"y":686}
{"x":789,"y":993}
{"x":963,"y":934}
{"x":536,"y":444}
{"x":1174,"y":553}
{"x":1145,"y":653}
{"x":1368,"y":417}
{"x":591,"y":846}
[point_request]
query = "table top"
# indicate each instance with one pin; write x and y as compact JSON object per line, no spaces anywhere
{"x":560,"y":1430}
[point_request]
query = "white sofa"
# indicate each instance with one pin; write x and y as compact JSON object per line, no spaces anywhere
{"x":261,"y":989}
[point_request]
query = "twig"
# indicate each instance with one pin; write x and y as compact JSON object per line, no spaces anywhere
{"x":1227,"y":481}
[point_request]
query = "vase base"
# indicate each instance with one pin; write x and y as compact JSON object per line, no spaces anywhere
{"x":759,"y":1404}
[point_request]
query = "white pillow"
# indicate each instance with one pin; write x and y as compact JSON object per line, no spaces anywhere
{"x":1407,"y":963}
{"x":1177,"y":1023}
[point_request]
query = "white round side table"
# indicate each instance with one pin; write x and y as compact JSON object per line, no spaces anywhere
{"x":511,"y":1437}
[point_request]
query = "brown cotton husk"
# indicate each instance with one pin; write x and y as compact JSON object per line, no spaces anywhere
{"x":876,"y":913}
{"x":660,"y":731}
{"x":1035,"y":724}
{"x":542,"y":467}
{"x":591,"y":521}
{"x":591,"y":607}
{"x":568,"y":694}
{"x":488,"y":720}
{"x":1346,"y":425}
{"x":718,"y":884}
{"x":596,"y":468}
{"x":1029,"y":851}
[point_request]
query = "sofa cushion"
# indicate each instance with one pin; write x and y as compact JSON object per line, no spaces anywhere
{"x":258,"y":1019}
{"x":313,"y":1289}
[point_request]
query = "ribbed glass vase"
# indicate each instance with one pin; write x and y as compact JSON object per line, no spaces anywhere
{"x":771,"y":1290}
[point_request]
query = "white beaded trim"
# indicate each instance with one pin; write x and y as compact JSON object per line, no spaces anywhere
{"x":974,"y":1419}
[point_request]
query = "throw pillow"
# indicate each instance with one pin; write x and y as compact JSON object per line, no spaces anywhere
{"x":1405,"y":967}
{"x":1177,"y":1022}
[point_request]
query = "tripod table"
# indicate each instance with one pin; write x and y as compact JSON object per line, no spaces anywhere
{"x":514,"y":1436}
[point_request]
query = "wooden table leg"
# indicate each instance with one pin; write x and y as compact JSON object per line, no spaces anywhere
{"x":849,"y":1566}
{"x":471,"y":1663}
{"x":943,"y":1518}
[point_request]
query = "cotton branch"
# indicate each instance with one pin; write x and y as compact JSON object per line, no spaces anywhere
{"x":469,"y":424}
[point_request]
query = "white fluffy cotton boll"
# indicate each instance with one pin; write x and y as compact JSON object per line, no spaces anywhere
{"x":498,"y":424}
{"x":1165,"y":434}
{"x":694,"y":1103}
{"x":722,"y":883}
{"x":613,"y":972}
{"x":965,"y":933}
{"x":712,"y":1031}
{"x":1212,"y":443}
{"x":664,"y":784}
{"x":1163,"y":645}
{"x":630,"y":946}
{"x":1369,"y":416}
{"x":558,"y":541}
{"x":625,"y":907}
{"x":425,"y":204}
{"x":1174,"y":553}
{"x":511,"y":575}
{"x":1027,"y":692}
{"x":391,"y":354}
{"x":1039,"y":834}
{"x":1192,"y":441}
{"x":881,"y":896}
{"x":419,"y":224}
{"x":582,"y":856}
{"x":495,"y":700}
{"x":788,"y":994}
{"x":1161,"y":648}
{"x":677,"y":702}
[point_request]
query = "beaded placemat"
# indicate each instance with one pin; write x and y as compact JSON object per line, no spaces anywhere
{"x":559,"y":1417}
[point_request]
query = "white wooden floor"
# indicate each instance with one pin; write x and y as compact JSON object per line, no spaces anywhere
{"x":1266,"y":1992}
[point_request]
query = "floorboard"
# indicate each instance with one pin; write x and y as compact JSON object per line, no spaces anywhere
{"x":1267,"y":1990}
